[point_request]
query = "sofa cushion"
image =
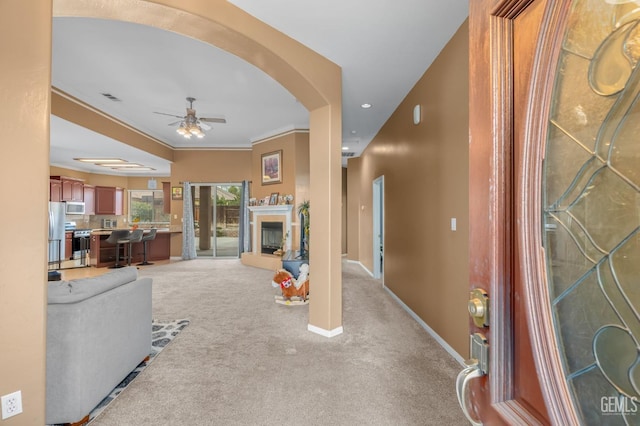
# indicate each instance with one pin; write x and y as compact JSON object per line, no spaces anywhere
{"x":80,"y":289}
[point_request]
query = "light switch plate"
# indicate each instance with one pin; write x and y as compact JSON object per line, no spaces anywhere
{"x":454,"y":224}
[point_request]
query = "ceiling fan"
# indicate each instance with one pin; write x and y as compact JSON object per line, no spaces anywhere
{"x":190,"y":124}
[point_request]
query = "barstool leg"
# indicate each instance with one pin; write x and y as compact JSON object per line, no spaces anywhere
{"x":144,"y":255}
{"x":117,"y":265}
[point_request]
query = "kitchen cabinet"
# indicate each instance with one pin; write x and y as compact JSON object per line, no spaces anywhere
{"x":72,"y":188}
{"x":68,"y":244}
{"x":119,"y":201}
{"x":55,"y":190}
{"x":109,"y":200}
{"x":89,"y":193}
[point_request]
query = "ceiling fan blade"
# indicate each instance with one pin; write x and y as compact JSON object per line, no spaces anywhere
{"x":203,"y":125}
{"x":170,"y":115}
{"x":213,"y":120}
{"x":174,"y":123}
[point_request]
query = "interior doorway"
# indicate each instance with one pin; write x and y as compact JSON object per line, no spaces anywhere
{"x":378,"y":227}
{"x":216,"y":210}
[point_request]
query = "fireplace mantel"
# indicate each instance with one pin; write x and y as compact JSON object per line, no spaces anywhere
{"x":277,"y":210}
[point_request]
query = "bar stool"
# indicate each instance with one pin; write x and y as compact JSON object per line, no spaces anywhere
{"x":117,"y":237}
{"x":145,"y":239}
{"x":134,"y":237}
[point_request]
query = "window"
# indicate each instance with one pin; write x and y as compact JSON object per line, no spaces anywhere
{"x":147,"y":207}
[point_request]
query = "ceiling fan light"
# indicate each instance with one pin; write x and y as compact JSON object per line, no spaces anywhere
{"x":181,"y":130}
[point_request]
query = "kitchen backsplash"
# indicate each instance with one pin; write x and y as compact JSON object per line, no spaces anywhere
{"x":98,"y":221}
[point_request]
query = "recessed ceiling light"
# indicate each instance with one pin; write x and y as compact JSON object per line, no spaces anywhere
{"x":134,"y":169}
{"x":345,"y":148}
{"x":353,"y":132}
{"x":100,"y":160}
{"x":123,"y":166}
{"x":366,"y":106}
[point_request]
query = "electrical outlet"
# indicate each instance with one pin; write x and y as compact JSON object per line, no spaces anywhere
{"x":11,"y":404}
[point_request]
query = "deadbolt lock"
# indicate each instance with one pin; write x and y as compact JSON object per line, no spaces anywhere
{"x":479,"y":307}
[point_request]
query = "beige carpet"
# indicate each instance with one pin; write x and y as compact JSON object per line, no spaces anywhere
{"x":245,"y":360}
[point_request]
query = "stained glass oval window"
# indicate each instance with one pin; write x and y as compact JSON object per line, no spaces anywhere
{"x":591,"y":202}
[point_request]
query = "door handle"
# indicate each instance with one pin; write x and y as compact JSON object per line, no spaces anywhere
{"x":472,"y":371}
{"x":477,"y":366}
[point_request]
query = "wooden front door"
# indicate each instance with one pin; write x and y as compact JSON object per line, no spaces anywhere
{"x":554,"y":211}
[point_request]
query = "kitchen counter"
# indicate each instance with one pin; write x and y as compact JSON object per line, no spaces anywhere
{"x":104,"y":231}
{"x":103,"y":254}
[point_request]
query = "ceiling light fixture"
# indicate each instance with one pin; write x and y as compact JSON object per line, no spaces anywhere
{"x":189,"y":126}
{"x":366,"y":106}
{"x":345,"y":148}
{"x":134,"y":169}
{"x":122,"y":166}
{"x":100,"y":160}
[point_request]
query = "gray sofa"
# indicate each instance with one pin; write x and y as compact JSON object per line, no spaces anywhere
{"x":98,"y":331}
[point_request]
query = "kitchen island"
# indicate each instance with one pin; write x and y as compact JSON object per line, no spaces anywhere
{"x":103,"y":254}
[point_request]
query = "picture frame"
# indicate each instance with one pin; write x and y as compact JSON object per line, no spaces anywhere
{"x":176,"y":193}
{"x":271,"y":166}
{"x":273,"y":199}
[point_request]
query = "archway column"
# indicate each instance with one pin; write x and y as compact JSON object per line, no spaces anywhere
{"x":325,"y":245}
{"x":25,"y":95}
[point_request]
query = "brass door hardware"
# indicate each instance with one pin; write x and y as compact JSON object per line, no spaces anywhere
{"x":479,"y":307}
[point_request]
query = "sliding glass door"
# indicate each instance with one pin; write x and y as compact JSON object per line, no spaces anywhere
{"x":217,"y":219}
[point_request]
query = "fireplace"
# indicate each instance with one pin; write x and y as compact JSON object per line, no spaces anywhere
{"x":271,"y":240}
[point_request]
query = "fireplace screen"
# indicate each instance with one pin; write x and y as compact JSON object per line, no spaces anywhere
{"x":271,"y":237}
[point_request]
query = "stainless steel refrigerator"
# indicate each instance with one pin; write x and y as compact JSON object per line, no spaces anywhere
{"x":56,"y":233}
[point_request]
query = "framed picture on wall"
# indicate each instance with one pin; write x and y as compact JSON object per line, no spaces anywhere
{"x":176,"y":193}
{"x":272,"y":167}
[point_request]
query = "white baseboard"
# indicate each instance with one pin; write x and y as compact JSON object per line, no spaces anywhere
{"x":428,"y":329}
{"x":357,"y":262}
{"x":323,"y":332}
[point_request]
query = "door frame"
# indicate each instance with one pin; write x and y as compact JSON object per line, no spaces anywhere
{"x":494,"y":223}
{"x":378,"y":227}
{"x":214,"y":217}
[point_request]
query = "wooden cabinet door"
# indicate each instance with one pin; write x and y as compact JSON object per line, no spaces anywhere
{"x":77,"y":190}
{"x":119,"y":202}
{"x":67,"y":190}
{"x":89,"y":194}
{"x":55,"y":190}
{"x":105,"y":201}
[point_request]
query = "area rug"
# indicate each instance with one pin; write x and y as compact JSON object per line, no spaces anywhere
{"x":162,"y":333}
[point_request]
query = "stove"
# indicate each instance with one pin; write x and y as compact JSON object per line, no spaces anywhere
{"x":81,"y":233}
{"x":80,"y":244}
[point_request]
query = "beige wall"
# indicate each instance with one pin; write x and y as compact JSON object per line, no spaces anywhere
{"x":208,"y":166}
{"x":425,"y":170}
{"x":295,"y":172}
{"x":25,"y":52}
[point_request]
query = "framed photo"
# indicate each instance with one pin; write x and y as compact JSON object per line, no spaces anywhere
{"x":176,"y":193}
{"x":273,"y":199}
{"x":272,"y":167}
